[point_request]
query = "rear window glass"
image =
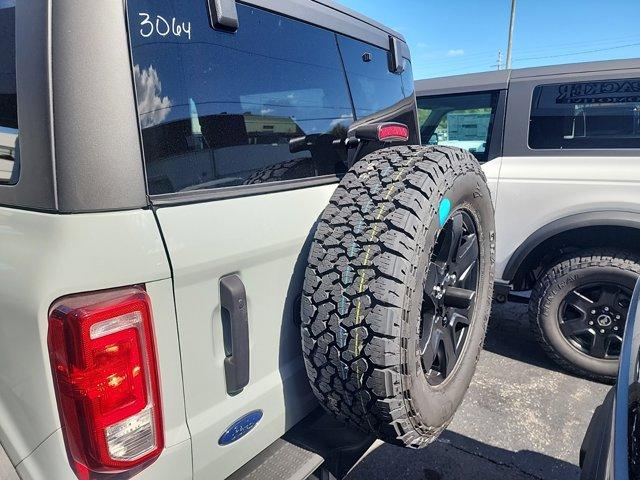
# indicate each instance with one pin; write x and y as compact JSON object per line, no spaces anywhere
{"x":373,"y":86}
{"x":464,"y":120}
{"x":219,"y":110}
{"x":602,"y":114}
{"x":8,"y":101}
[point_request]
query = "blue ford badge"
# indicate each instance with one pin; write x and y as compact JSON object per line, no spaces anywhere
{"x":240,"y":427}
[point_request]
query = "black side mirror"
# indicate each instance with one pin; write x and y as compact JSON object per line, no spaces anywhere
{"x":223,"y":15}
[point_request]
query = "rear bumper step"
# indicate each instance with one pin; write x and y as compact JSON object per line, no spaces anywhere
{"x":319,"y":447}
{"x":280,"y":460}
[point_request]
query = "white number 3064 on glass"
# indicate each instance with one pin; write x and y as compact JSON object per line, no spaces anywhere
{"x":163,"y":27}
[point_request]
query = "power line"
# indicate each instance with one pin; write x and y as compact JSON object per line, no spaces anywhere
{"x":578,"y":53}
{"x":488,"y":54}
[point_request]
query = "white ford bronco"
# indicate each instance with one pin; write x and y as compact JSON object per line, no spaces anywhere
{"x":215,"y":218}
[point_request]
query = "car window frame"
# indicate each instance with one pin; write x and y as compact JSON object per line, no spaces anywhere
{"x":221,"y":193}
{"x":569,"y":81}
{"x":496,"y":125}
{"x":9,"y":153}
{"x":518,"y":111}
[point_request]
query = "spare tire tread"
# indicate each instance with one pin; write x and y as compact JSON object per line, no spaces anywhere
{"x":361,"y":263}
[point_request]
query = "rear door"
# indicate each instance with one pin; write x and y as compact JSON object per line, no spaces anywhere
{"x":236,"y":202}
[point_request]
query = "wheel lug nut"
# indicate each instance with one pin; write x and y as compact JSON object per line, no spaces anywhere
{"x":615,"y":328}
{"x":593,"y":312}
{"x":591,"y":322}
{"x":617,"y":317}
{"x":606,"y":309}
{"x":602,"y":330}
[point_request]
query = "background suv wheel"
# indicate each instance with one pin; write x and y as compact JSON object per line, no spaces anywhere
{"x":578,"y":310}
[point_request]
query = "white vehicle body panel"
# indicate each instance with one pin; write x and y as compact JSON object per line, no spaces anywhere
{"x":536,"y":190}
{"x":46,"y":256}
{"x":261,"y":239}
{"x":492,"y":171}
{"x":51,"y":456}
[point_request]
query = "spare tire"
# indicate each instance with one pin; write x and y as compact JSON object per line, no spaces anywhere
{"x":398,"y":290}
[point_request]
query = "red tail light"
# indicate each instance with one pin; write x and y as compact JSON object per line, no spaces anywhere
{"x":393,"y":132}
{"x":102,"y":354}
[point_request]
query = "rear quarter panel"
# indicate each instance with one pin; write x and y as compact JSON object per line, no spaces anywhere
{"x":45,"y":256}
{"x":537,"y":187}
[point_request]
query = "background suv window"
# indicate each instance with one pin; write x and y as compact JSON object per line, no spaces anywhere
{"x":599,"y":114}
{"x":461,"y":120}
{"x":8,"y":99}
{"x":219,"y":109}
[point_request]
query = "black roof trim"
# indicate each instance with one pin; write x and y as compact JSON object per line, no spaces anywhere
{"x":499,"y":79}
{"x":358,"y":16}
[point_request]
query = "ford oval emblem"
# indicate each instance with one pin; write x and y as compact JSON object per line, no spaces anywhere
{"x":240,"y":427}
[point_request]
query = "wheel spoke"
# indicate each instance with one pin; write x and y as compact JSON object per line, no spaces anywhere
{"x":599,"y":346}
{"x":430,"y":350}
{"x":573,"y":327}
{"x":450,"y":353}
{"x":609,"y":296}
{"x":455,"y":238}
{"x":434,"y":277}
{"x":466,"y":257}
{"x":458,"y":318}
{"x":579,"y":302}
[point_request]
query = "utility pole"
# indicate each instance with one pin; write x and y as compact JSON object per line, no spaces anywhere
{"x":499,"y":64}
{"x":511,"y":25}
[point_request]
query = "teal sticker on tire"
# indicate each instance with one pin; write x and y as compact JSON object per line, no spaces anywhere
{"x":444,"y":210}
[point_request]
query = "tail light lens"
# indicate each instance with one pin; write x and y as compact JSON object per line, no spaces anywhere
{"x":393,"y":132}
{"x":102,"y":352}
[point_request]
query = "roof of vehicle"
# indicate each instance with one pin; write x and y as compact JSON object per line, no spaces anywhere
{"x":358,"y":16}
{"x":338,"y":18}
{"x":499,"y":79}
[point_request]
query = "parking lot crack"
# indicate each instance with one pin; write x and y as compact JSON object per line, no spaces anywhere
{"x":489,"y":459}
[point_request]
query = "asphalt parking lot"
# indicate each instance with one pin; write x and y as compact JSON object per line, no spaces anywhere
{"x":523,"y":418}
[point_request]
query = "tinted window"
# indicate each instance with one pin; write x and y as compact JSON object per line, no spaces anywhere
{"x":604,"y":114}
{"x":8,"y":103}
{"x":224,"y":109}
{"x":463,"y":120}
{"x":373,"y":86}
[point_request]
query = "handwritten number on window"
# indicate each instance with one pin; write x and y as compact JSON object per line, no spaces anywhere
{"x":163,"y":26}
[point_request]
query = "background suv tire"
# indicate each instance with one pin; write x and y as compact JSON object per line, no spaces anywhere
{"x":578,"y":309}
{"x":397,"y":292}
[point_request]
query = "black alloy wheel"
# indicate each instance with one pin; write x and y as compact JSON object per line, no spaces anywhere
{"x":592,"y":318}
{"x":450,"y":289}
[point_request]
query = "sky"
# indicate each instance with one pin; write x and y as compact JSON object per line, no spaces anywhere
{"x":462,"y":36}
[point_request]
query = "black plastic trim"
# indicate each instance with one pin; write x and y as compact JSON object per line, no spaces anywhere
{"x":501,"y":288}
{"x":594,"y":451}
{"x":233,"y":306}
{"x":396,"y":63}
{"x":496,"y":132}
{"x":199,"y":196}
{"x":580,"y":220}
